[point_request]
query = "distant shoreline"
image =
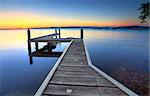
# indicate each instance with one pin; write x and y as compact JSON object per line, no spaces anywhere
{"x":88,"y":27}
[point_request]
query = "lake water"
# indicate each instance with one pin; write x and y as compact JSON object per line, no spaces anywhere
{"x":123,"y":54}
{"x":17,"y":76}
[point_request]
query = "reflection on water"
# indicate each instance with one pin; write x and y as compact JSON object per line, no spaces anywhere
{"x":11,"y":38}
{"x":48,"y":50}
{"x":123,"y":54}
{"x":17,"y":76}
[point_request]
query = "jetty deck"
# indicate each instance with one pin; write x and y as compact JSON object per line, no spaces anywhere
{"x":73,"y":77}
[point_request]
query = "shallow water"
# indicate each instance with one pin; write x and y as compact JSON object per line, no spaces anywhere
{"x":123,"y":54}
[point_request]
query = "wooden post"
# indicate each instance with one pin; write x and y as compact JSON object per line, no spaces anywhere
{"x":29,"y":43}
{"x":56,"y":32}
{"x":49,"y":44}
{"x":29,"y":34}
{"x":29,"y":46}
{"x":81,"y":33}
{"x":36,"y":46}
{"x":59,"y":33}
{"x":31,"y":59}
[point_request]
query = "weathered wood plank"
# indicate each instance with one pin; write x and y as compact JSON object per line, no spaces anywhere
{"x":104,"y":82}
{"x":88,"y":74}
{"x":74,"y":57}
{"x":106,"y":91}
{"x":74,"y":64}
{"x":61,"y":90}
{"x":46,"y":39}
{"x":74,"y":68}
{"x":74,"y":61}
{"x":97,"y":75}
{"x":74,"y":81}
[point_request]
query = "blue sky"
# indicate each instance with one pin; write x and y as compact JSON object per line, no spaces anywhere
{"x":85,"y":10}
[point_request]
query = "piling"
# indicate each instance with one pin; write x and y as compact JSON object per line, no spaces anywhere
{"x":59,"y":33}
{"x":29,"y":46}
{"x":29,"y":43}
{"x":81,"y":33}
{"x":56,"y":32}
{"x":36,"y":46}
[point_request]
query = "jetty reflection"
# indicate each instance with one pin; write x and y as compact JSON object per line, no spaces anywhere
{"x":45,"y":51}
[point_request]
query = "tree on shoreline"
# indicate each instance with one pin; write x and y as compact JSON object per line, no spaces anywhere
{"x":145,"y":12}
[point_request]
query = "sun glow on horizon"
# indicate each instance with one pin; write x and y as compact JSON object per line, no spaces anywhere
{"x":19,"y":19}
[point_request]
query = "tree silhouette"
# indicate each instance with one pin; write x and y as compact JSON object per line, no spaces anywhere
{"x":145,"y":13}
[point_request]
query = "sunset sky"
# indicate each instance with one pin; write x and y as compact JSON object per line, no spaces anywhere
{"x":49,"y":13}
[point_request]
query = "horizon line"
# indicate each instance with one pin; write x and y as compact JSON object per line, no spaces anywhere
{"x":72,"y":27}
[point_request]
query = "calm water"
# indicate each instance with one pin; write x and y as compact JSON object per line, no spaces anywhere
{"x":17,"y":76}
{"x":123,"y":54}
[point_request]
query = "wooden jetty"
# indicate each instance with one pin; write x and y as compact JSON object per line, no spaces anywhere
{"x":75,"y":75}
{"x":49,"y":39}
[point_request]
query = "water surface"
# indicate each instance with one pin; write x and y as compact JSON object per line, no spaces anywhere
{"x":122,"y":54}
{"x":17,"y":76}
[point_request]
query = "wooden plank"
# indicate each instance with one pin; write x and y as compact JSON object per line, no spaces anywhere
{"x":75,"y":57}
{"x":106,"y":91}
{"x":76,"y":60}
{"x":98,"y":75}
{"x":46,"y":39}
{"x":104,"y":82}
{"x":81,"y":53}
{"x":74,"y":68}
{"x":73,"y":64}
{"x":63,"y":73}
{"x":45,"y":36}
{"x":74,"y":81}
{"x":61,"y":90}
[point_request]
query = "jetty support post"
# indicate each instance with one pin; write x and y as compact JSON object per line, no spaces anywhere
{"x":56,"y":32}
{"x":36,"y":46}
{"x":59,"y":33}
{"x":29,"y":43}
{"x":29,"y":46}
{"x":81,"y":34}
{"x":31,"y":59}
